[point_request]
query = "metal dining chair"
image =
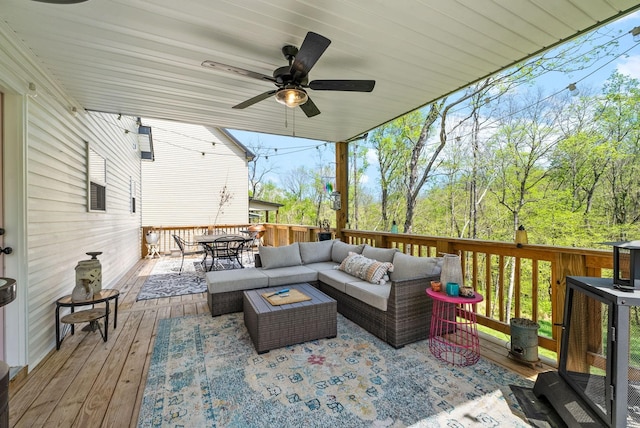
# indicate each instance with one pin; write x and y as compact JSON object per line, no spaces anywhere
{"x":228,"y":248}
{"x":183,"y":245}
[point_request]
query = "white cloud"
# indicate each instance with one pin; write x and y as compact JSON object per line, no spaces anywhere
{"x":372,"y":157}
{"x":630,"y":66}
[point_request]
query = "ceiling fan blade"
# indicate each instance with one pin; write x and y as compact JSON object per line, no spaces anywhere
{"x":312,"y":48}
{"x":61,"y":1}
{"x":236,"y":70}
{"x":343,"y":85}
{"x":309,"y":108}
{"x":252,"y":101}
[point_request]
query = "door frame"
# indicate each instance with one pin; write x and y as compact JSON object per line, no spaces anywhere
{"x":14,"y":202}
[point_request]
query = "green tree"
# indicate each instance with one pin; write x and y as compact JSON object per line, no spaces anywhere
{"x":618,"y":117}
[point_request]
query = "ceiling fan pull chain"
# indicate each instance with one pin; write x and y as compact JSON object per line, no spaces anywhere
{"x":293,"y":117}
{"x":286,"y":123}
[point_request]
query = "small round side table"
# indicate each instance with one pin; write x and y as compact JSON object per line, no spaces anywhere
{"x":453,"y":337}
{"x":90,"y":316}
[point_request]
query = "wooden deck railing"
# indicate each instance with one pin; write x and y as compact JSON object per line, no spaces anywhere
{"x":503,"y":272}
{"x":167,"y":244}
{"x":515,"y":281}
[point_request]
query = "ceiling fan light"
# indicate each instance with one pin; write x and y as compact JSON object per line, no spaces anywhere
{"x":291,"y":96}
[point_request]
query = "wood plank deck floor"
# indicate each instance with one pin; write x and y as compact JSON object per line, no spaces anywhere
{"x":91,"y":383}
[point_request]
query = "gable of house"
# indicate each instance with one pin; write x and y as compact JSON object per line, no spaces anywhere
{"x":195,"y":168}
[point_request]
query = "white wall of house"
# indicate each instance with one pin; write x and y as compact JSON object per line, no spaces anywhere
{"x":192,"y":165}
{"x":45,"y":198}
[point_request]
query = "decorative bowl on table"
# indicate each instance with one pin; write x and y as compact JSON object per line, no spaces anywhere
{"x":466,"y":292}
{"x":436,"y":285}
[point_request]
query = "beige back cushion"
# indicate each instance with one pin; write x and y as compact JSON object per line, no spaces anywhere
{"x":409,"y":267}
{"x":379,"y":254}
{"x":275,"y":257}
{"x":340,"y":250}
{"x":316,"y":252}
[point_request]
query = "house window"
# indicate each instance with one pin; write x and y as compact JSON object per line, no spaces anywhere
{"x":97,"y":175}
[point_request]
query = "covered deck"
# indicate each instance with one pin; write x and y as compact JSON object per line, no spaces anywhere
{"x":89,"y":382}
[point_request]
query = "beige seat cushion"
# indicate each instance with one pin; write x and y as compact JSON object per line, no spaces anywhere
{"x":235,"y":280}
{"x":290,"y":275}
{"x":336,"y":278}
{"x":322,"y":266}
{"x":376,"y":295}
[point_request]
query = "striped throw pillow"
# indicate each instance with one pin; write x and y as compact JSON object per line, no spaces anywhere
{"x":368,"y":269}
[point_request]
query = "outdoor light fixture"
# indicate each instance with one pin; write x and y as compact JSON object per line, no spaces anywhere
{"x":521,"y":236}
{"x":33,"y":90}
{"x":291,"y":96}
{"x":635,"y":32}
{"x":573,"y":90}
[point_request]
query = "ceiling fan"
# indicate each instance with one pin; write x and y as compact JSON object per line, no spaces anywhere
{"x":291,"y":80}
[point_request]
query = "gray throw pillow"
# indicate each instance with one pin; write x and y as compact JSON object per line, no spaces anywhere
{"x":340,"y":250}
{"x":275,"y":257}
{"x":379,"y":254}
{"x":315,"y":252}
{"x":409,"y":267}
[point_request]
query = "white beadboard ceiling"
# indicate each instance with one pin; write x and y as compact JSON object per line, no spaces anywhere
{"x":143,"y":57}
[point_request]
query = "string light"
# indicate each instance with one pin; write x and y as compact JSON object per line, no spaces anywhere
{"x":573,"y":90}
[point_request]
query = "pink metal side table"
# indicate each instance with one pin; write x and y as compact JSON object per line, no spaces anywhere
{"x":453,"y":336}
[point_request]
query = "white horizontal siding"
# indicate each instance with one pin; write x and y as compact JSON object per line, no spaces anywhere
{"x":182,"y":186}
{"x":59,"y":229}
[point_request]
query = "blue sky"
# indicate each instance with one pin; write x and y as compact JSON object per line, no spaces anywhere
{"x":300,"y":152}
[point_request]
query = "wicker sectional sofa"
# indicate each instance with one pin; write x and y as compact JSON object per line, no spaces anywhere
{"x":396,"y":309}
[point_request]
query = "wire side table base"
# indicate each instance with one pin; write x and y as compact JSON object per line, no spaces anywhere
{"x":453,"y":337}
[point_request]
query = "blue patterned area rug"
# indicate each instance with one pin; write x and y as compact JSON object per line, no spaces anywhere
{"x":205,"y":372}
{"x":165,"y":279}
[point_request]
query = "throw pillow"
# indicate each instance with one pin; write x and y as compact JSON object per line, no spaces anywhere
{"x":275,"y":257}
{"x":380,"y":254}
{"x":365,"y":268}
{"x":315,"y":252}
{"x":409,"y":267}
{"x":340,"y":250}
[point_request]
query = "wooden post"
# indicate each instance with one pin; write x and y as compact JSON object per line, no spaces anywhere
{"x":342,"y":186}
{"x":565,"y":265}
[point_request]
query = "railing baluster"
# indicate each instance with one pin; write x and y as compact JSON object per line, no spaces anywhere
{"x":534,"y":290}
{"x":517,"y":288}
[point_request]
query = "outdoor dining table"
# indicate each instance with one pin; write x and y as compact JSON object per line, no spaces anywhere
{"x":223,"y":246}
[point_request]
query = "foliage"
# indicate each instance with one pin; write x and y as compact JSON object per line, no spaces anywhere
{"x":225,"y":199}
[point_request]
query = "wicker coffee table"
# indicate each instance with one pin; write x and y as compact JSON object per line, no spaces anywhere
{"x":272,"y":327}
